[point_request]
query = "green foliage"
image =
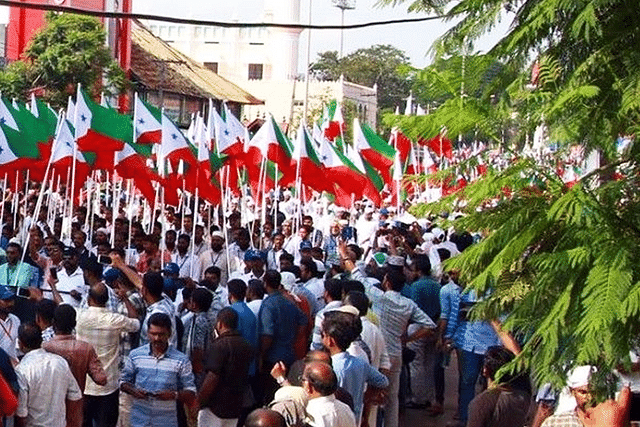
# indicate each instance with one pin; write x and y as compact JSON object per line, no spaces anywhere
{"x":70,"y":49}
{"x":379,"y":65}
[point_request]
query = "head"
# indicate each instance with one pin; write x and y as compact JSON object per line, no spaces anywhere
{"x":212,"y":274}
{"x":217,"y":241}
{"x":394,"y":280}
{"x":338,"y":331}
{"x":159,"y":332}
{"x":79,"y":238}
{"x":201,"y":300}
{"x":272,"y":281}
{"x":307,"y":221}
{"x":13,"y":252}
{"x":98,"y":295}
{"x":265,"y":418}
{"x":237,"y":290}
{"x":243,"y":239}
{"x":70,"y":259}
{"x":188,"y":223}
{"x":319,"y":379}
{"x":286,"y":260}
{"x":29,"y":337}
{"x":92,"y":271}
{"x":304,"y":232}
{"x":45,"y":309}
{"x":578,"y":381}
{"x":152,"y":286}
{"x":150,"y":244}
{"x":183,"y":243}
{"x":278,"y":241}
{"x":308,"y":269}
{"x":332,"y":290}
{"x":227,"y":320}
{"x":198,"y":236}
{"x":7,"y":301}
{"x":170,"y":238}
{"x":255,"y":290}
{"x":64,"y":319}
{"x":359,"y":300}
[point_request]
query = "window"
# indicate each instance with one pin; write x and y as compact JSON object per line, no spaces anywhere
{"x":255,"y":71}
{"x":213,"y":66}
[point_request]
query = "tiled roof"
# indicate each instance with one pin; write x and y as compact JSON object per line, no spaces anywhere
{"x":182,"y":74}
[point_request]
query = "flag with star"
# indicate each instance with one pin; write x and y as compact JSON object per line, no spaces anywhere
{"x":148,"y":122}
{"x":271,"y":144}
{"x":62,"y":158}
{"x":174,"y":146}
{"x":16,"y":152}
{"x":373,"y":149}
{"x":99,"y":129}
{"x":306,"y":161}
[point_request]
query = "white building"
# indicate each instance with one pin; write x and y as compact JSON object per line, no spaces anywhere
{"x":264,"y":62}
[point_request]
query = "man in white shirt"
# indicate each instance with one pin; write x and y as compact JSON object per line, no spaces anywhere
{"x":71,"y":285}
{"x":9,"y":323}
{"x":324,"y":410}
{"x":48,"y":391}
{"x":182,"y":257}
{"x":216,"y":256}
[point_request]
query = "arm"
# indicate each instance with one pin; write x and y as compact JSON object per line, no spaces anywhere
{"x":376,"y":379}
{"x":74,"y":412}
{"x":506,"y":338}
{"x":118,"y":263}
{"x":122,"y":295}
{"x":96,"y":371}
{"x":134,"y":391}
{"x":208,"y":387}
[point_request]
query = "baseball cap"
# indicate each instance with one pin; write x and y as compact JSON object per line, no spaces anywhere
{"x":171,"y":268}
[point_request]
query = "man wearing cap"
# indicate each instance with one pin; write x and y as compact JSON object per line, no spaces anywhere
{"x":578,"y":388}
{"x":9,"y":323}
{"x":216,"y":256}
{"x":184,"y":258}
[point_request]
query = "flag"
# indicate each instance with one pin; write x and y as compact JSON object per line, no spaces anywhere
{"x":6,"y":116}
{"x":308,"y":165}
{"x":62,"y":158}
{"x":400,"y":142}
{"x":201,"y":176}
{"x":131,"y":165}
{"x":148,"y":122}
{"x":16,"y":153}
{"x":373,"y":149}
{"x":428,"y":164}
{"x":441,"y":145}
{"x":100,"y":129}
{"x":174,"y":146}
{"x":43,"y":112}
{"x":270,"y":143}
{"x":333,"y":123}
{"x":232,"y":136}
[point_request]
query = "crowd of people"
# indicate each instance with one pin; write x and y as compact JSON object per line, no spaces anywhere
{"x":312,"y":316}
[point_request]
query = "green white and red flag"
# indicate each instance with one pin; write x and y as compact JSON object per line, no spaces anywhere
{"x":307,"y":164}
{"x":376,"y":151}
{"x":333,"y":123}
{"x":271,"y":144}
{"x":174,"y":146}
{"x":147,"y":122}
{"x":62,"y":157}
{"x":99,"y":129}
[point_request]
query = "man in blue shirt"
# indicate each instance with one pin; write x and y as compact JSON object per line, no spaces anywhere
{"x":157,"y":375}
{"x":247,"y":322}
{"x":279,"y":323}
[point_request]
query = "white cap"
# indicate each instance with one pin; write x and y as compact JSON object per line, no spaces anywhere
{"x":288,"y":280}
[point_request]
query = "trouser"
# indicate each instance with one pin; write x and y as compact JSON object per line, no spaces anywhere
{"x":101,"y":411}
{"x":470,"y":366}
{"x":391,"y":410}
{"x":206,"y":418}
{"x":124,"y":419}
{"x":438,"y":377}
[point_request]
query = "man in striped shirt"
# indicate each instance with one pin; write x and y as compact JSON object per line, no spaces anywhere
{"x":157,"y":376}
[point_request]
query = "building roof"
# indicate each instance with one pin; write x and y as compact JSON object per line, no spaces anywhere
{"x":182,"y":75}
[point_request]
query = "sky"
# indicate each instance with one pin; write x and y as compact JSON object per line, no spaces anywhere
{"x":414,"y":39}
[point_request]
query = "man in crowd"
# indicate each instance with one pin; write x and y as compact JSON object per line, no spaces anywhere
{"x":320,"y":383}
{"x":216,"y":256}
{"x":49,"y":394}
{"x":157,"y":376}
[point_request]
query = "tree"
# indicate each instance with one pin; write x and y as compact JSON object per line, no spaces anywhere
{"x":561,"y":263}
{"x":70,"y":49}
{"x":379,"y":65}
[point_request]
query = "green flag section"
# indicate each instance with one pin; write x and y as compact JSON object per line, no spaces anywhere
{"x":148,"y":122}
{"x":100,"y":129}
{"x":375,"y":150}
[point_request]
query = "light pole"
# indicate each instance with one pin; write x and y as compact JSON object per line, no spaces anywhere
{"x":343,"y":5}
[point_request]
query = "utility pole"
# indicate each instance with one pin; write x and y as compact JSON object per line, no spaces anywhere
{"x":343,"y":5}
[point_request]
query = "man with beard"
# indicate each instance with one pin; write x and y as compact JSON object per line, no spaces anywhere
{"x":70,"y":284}
{"x":183,"y":257}
{"x":273,"y":256}
{"x":238,"y":249}
{"x":216,"y":257}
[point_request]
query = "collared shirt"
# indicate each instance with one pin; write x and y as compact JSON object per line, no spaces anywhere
{"x":102,"y":328}
{"x":71,"y":282}
{"x":172,"y":371}
{"x":316,"y":339}
{"x":254,"y":306}
{"x":477,"y":336}
{"x":80,"y":356}
{"x":426,"y":293}
{"x":130,"y":340}
{"x":236,"y":257}
{"x":567,"y":419}
{"x":449,"y":307}
{"x":372,"y":336}
{"x":186,"y":264}
{"x":395,"y":312}
{"x":273,"y":259}
{"x":45,"y":382}
{"x":327,"y":411}
{"x":25,"y":274}
{"x":9,"y":335}
{"x":164,"y":305}
{"x":279,"y":318}
{"x":353,"y":375}
{"x":47,"y":334}
{"x":210,"y":258}
{"x":247,"y":323}
{"x":316,"y":287}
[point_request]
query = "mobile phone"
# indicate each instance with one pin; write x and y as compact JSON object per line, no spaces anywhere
{"x":104,"y":259}
{"x":347,"y":233}
{"x":23,"y":292}
{"x":53,"y":272}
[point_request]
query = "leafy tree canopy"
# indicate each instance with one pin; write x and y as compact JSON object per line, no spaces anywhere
{"x":379,"y":65}
{"x":70,"y":49}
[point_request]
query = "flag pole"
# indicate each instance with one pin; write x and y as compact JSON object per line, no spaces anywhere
{"x":16,"y":201}
{"x":4,"y":191}
{"x":115,"y":198}
{"x":130,"y":216}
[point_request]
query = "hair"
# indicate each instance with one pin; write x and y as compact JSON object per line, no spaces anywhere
{"x":359,"y":300}
{"x":213,"y":270}
{"x":242,"y":232}
{"x":272,"y":279}
{"x":228,"y":317}
{"x":160,"y":319}
{"x":171,"y":232}
{"x":444,"y":254}
{"x":92,"y":266}
{"x":256,"y":288}
{"x":30,"y":335}
{"x":14,"y":245}
{"x":237,"y":288}
{"x":64,"y":319}
{"x":396,"y":279}
{"x":45,"y":309}
{"x":99,"y":294}
{"x":422,"y":264}
{"x":341,"y":327}
{"x":202,"y":298}
{"x":294,"y":269}
{"x":153,"y":283}
{"x":265,"y":417}
{"x":311,"y":266}
{"x":325,"y":385}
{"x":287,"y":256}
{"x":184,"y":236}
{"x":357,"y":250}
{"x":352,"y":285}
{"x":334,"y":288}
{"x":495,"y":358}
{"x":306,"y":217}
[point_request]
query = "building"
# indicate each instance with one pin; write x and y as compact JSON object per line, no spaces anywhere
{"x":264,"y":61}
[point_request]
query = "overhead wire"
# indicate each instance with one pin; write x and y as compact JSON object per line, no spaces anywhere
{"x":223,"y":24}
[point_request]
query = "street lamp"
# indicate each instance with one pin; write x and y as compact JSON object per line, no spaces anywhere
{"x":343,"y":5}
